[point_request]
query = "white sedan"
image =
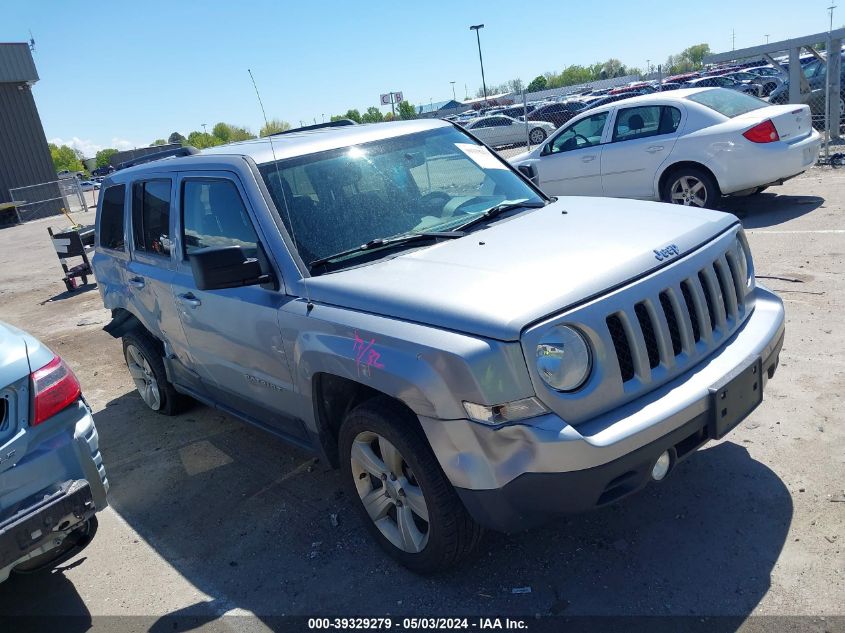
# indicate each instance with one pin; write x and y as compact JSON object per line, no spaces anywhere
{"x":498,"y":130}
{"x":685,"y":146}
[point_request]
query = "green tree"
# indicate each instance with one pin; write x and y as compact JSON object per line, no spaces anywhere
{"x":612,"y":68}
{"x":407,"y":111}
{"x":354,"y":115}
{"x":176,"y":138}
{"x":201,"y":140}
{"x":389,"y":117}
{"x":372,"y":115}
{"x":516,"y":85}
{"x":273,"y":126}
{"x":65,"y":158}
{"x":229,"y":133}
{"x":537,"y":84}
{"x":104,"y":155}
{"x":158,"y":141}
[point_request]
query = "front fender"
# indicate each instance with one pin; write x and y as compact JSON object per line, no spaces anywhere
{"x":432,"y":371}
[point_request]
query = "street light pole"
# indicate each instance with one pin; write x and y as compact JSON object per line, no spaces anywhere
{"x":453,"y":91}
{"x":477,"y":28}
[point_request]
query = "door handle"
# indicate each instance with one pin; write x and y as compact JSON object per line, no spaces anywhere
{"x":189,"y":299}
{"x":138,"y":282}
{"x":651,"y":149}
{"x":587,"y":159}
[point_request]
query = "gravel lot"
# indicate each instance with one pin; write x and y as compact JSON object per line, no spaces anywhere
{"x":210,"y":516}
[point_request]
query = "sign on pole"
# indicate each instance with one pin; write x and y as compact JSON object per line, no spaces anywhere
{"x":391,"y":99}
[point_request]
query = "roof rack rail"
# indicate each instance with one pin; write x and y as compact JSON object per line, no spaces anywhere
{"x":188,"y":150}
{"x":317,"y":126}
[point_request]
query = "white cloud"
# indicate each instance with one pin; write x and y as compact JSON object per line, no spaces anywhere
{"x":89,"y":148}
{"x":122,"y":143}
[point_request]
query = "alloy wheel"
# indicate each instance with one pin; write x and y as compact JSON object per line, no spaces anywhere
{"x":390,"y":492}
{"x":144,"y":378}
{"x":537,"y":136}
{"x":689,"y":191}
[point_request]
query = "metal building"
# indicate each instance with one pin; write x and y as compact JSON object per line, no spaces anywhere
{"x":24,"y":155}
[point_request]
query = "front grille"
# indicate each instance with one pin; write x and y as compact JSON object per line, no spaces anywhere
{"x":682,"y":322}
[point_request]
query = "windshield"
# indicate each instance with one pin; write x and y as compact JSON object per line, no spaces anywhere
{"x":729,"y":103}
{"x":429,"y":181}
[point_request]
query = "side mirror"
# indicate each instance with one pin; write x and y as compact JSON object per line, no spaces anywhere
{"x":546,"y":149}
{"x":225,"y":267}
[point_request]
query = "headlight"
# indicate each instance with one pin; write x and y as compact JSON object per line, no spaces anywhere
{"x":563,"y":358}
{"x":743,"y":259}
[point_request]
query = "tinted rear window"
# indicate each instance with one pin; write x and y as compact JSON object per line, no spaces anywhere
{"x":111,"y":218}
{"x":729,"y":103}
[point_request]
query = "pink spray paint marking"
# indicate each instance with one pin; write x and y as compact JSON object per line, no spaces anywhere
{"x":366,"y":356}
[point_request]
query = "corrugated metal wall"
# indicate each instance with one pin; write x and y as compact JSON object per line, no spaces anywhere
{"x":24,"y":155}
{"x":16,"y":64}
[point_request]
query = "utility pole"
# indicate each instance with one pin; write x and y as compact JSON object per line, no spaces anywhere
{"x":733,"y":39}
{"x":830,"y":10}
{"x":647,"y":66}
{"x":477,"y":28}
{"x":453,"y":91}
{"x":767,"y":38}
{"x":204,"y":131}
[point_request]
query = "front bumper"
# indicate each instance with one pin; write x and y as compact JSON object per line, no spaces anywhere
{"x":507,"y":476}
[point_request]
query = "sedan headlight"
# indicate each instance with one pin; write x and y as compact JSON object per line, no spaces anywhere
{"x":563,"y":358}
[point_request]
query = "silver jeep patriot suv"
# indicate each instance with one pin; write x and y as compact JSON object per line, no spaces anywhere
{"x":397,"y":298}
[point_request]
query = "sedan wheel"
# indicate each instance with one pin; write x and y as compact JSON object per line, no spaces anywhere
{"x":390,"y":492}
{"x":143,"y":376}
{"x":537,"y":135}
{"x":689,"y":191}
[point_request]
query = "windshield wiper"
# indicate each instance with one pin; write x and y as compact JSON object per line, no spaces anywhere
{"x":381,"y":243}
{"x":500,"y":208}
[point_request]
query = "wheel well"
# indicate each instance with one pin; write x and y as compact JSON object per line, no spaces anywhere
{"x":334,"y":397}
{"x":681,"y":165}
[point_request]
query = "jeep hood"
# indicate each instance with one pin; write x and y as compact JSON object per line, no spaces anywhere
{"x":524,"y":267}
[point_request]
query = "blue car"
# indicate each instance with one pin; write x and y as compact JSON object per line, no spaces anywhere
{"x":52,"y":479}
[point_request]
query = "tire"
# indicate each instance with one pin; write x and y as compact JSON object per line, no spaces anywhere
{"x":682,"y":187}
{"x":381,"y":427}
{"x":146,"y":367}
{"x":537,"y":135}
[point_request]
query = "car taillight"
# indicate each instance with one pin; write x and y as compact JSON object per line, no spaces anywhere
{"x":764,"y":132}
{"x":54,"y":387}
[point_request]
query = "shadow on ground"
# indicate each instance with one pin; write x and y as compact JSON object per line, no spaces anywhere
{"x":81,"y":289}
{"x":247,"y":520}
{"x":769,"y":209}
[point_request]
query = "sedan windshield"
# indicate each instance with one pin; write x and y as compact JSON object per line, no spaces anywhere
{"x":431,"y":181}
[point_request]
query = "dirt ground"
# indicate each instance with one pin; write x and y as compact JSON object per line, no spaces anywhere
{"x":209,"y":516}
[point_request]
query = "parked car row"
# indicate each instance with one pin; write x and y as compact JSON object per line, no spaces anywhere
{"x":670,"y":146}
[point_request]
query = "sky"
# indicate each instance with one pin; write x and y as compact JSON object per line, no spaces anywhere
{"x":120,"y":74}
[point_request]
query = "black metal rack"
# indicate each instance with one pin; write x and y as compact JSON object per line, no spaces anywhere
{"x":72,"y":243}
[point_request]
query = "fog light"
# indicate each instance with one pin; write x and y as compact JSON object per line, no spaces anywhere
{"x":661,"y":466}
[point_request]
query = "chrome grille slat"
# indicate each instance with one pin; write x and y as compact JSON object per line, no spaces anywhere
{"x":639,"y":355}
{"x":676,"y":298}
{"x":739,"y":284}
{"x":726,"y":285}
{"x":715,"y":296}
{"x":701,"y":309}
{"x":662,"y":333}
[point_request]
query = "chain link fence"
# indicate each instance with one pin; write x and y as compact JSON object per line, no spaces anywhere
{"x":48,"y":199}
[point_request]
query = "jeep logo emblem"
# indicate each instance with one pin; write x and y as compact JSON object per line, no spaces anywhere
{"x":666,"y":253}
